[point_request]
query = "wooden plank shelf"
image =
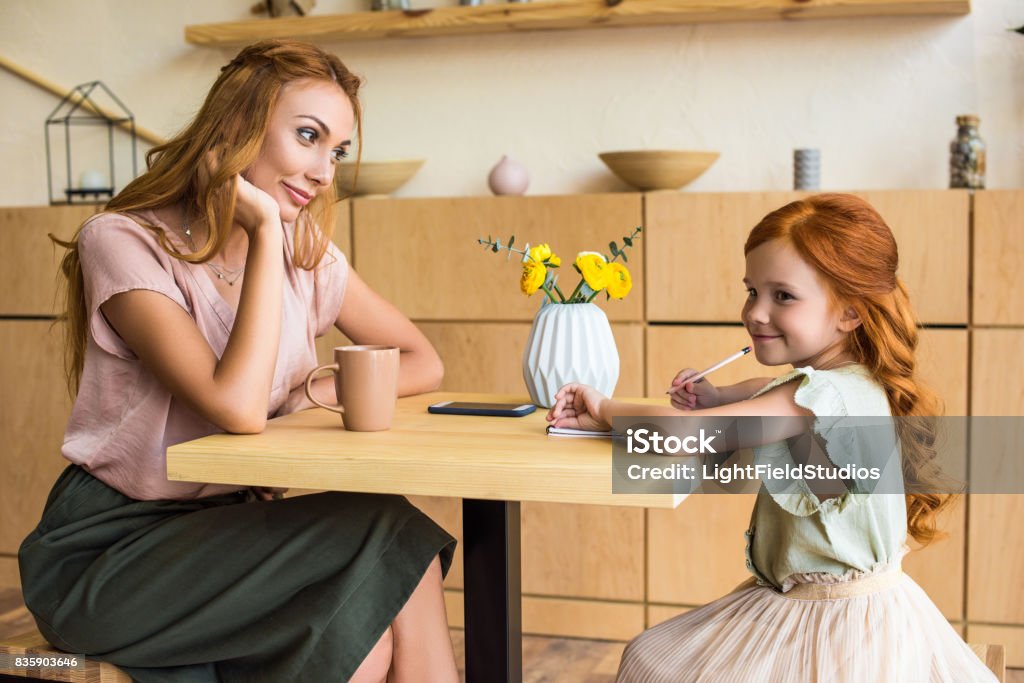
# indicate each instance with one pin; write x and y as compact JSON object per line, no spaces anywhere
{"x":552,"y":15}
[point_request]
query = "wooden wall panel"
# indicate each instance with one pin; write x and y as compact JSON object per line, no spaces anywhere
{"x":695,"y":252}
{"x":995,"y":563}
{"x":542,"y":616}
{"x":28,"y":280}
{"x":998,"y":257}
{"x":695,"y":553}
{"x":422,"y":254}
{"x":706,"y":232}
{"x":940,"y":567}
{"x":943,"y":359}
{"x":932,"y":229}
{"x":447,"y":512}
{"x":10,"y":576}
{"x":659,"y":613}
{"x":670,"y":348}
{"x":343,"y":227}
{"x":1010,"y":637}
{"x":488,"y":356}
{"x":582,"y":619}
{"x":32,"y":424}
{"x":586,"y":551}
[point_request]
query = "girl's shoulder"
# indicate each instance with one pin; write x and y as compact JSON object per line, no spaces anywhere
{"x":847,"y":390}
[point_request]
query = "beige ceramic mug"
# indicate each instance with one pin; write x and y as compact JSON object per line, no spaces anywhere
{"x":366,"y":381}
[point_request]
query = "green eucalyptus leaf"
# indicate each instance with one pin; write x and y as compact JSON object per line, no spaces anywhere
{"x":628,"y":241}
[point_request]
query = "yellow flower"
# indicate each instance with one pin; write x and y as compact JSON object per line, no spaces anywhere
{"x":533,"y":277}
{"x":594,"y":269}
{"x":542,"y":253}
{"x":619,"y":281}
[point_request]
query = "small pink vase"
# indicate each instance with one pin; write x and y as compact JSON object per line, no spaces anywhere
{"x":508,"y":177}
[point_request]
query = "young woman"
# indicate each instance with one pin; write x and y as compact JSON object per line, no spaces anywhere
{"x":193,"y":304}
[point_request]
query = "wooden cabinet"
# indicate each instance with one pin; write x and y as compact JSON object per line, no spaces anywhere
{"x":940,"y":567}
{"x":996,"y":552}
{"x":696,"y":263}
{"x":28,"y":278}
{"x":670,"y":348}
{"x":31,"y":424}
{"x":998,"y":257}
{"x":423,"y":256}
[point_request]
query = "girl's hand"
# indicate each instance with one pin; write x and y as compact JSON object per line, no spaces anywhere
{"x":687,"y":395}
{"x":578,"y":406}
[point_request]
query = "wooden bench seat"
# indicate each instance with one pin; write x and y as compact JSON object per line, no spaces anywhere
{"x":32,"y":643}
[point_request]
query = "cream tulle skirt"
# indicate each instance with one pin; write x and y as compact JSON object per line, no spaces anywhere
{"x":879,"y":627}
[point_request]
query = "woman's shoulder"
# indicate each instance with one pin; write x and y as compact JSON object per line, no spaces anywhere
{"x":109,"y":225}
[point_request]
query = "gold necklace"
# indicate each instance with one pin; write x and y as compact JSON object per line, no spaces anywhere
{"x":228,"y":275}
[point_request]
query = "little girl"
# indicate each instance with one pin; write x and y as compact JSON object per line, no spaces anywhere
{"x":827,"y":600}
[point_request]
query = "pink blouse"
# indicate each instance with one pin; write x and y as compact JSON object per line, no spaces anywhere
{"x":123,"y":419}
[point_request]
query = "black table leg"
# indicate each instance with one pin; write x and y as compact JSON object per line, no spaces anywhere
{"x":493,"y":591}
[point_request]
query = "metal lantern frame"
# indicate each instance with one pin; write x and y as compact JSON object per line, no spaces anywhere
{"x":79,"y":108}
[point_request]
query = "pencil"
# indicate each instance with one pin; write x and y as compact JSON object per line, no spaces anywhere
{"x":725,"y":361}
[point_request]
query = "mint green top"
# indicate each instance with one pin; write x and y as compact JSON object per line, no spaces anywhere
{"x":792,"y":532}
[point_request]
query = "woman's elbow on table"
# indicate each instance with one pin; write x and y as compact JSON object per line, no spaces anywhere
{"x":240,"y":421}
{"x":436,"y":374}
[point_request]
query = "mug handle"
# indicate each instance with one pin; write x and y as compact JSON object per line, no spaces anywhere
{"x":309,"y":381}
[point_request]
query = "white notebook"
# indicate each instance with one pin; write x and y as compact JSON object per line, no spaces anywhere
{"x":586,"y":434}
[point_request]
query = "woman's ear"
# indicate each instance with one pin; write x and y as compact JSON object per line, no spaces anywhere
{"x":849,"y":321}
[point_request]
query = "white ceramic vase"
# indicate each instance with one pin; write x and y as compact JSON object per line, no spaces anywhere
{"x":569,"y":343}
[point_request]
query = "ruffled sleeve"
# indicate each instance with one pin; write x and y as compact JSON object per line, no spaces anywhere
{"x":866,"y":445}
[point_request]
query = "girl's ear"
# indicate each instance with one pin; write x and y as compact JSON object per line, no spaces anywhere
{"x":849,"y":321}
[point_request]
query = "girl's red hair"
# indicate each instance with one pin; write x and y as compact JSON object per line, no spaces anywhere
{"x":849,"y":244}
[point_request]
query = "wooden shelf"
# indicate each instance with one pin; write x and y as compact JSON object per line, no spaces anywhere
{"x":552,"y":15}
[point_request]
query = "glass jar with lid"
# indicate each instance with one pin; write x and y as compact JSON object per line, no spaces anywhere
{"x":967,"y":155}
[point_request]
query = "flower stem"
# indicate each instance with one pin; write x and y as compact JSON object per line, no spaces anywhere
{"x":550,"y":295}
{"x":575,"y":291}
{"x":560,"y":295}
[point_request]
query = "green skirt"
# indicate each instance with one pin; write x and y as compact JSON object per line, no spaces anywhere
{"x":224,"y":588}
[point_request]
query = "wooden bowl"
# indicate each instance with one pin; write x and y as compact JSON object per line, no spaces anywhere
{"x":375,"y":177}
{"x":658,"y":169}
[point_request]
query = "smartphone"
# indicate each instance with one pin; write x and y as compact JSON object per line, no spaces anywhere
{"x":469,"y":408}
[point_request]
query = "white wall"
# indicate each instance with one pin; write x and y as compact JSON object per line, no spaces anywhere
{"x":877,"y":96}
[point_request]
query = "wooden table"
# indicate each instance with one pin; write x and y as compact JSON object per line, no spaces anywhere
{"x":492,"y":463}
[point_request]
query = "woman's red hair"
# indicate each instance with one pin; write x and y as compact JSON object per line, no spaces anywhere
{"x":849,"y":244}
